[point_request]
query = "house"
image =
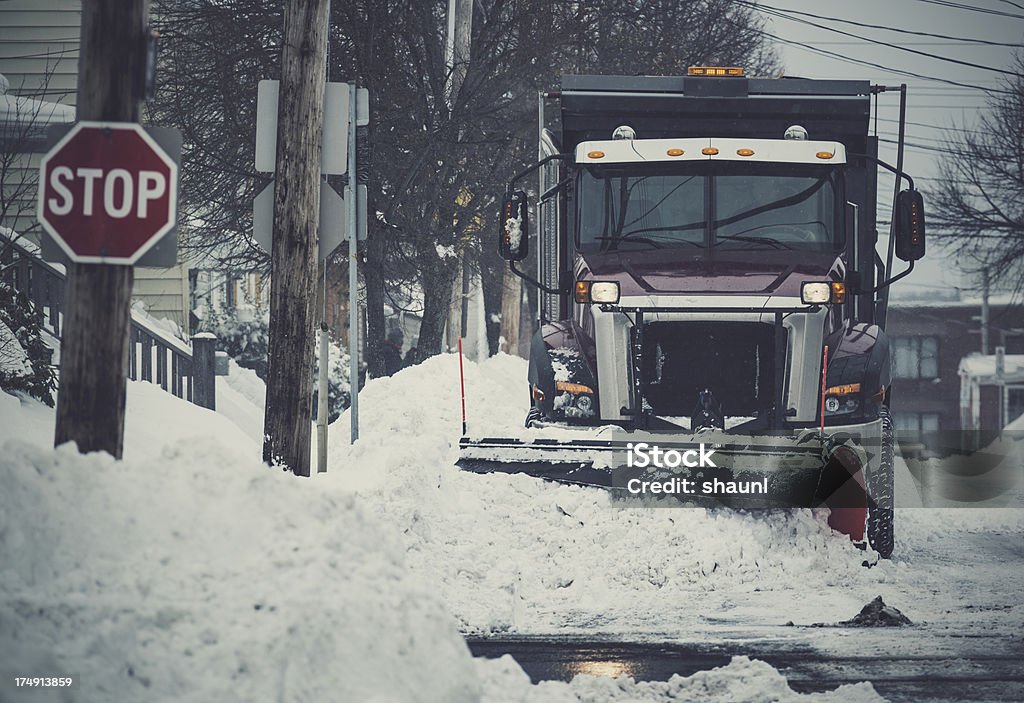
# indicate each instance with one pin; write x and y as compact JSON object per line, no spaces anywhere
{"x":39,"y":42}
{"x":929,"y":340}
{"x":991,"y":390}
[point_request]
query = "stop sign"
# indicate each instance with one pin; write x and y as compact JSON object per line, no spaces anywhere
{"x":107,"y":192}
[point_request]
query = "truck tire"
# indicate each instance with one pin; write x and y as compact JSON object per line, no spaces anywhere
{"x":881,"y":492}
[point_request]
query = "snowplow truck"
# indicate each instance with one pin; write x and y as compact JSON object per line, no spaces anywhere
{"x":709,"y":278}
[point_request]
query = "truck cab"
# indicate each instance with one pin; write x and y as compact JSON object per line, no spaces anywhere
{"x":702,"y":240}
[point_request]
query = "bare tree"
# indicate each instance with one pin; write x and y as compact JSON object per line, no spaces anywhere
{"x":437,"y":163}
{"x":978,"y":206}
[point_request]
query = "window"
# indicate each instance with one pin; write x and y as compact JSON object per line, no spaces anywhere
{"x":1014,"y":403}
{"x":916,"y":422}
{"x":915,"y":357}
{"x":726,"y":205}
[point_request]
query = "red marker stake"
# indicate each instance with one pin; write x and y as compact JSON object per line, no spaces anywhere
{"x":824,"y":376}
{"x":462,"y":387}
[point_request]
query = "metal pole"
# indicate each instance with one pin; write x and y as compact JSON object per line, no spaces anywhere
{"x":321,"y":404}
{"x":353,"y":273}
{"x":984,"y":310}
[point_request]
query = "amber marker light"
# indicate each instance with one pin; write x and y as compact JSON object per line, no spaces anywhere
{"x":675,"y":152}
{"x":846,"y":389}
{"x":745,"y":152}
{"x":595,"y":154}
{"x":709,"y":151}
{"x":572,"y":387}
{"x":582,"y":291}
{"x":824,"y":154}
{"x":838,"y":292}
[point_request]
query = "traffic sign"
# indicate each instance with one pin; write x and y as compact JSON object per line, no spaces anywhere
{"x":107,"y":192}
{"x":333,"y":228}
{"x":334,"y":150}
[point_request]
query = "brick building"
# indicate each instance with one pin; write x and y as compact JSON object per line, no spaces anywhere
{"x":930,"y":338}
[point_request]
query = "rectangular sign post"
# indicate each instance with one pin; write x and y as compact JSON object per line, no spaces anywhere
{"x":353,"y":273}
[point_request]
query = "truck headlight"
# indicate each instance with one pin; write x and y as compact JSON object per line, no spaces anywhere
{"x":815,"y":292}
{"x":604,"y":292}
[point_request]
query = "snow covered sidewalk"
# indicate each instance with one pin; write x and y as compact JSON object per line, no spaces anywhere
{"x":190,"y":571}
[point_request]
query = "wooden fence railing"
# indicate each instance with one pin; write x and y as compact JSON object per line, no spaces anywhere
{"x":154,"y":355}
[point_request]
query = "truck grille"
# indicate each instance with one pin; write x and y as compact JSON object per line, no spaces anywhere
{"x":735,"y":360}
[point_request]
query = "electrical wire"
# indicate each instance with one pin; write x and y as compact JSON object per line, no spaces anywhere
{"x":775,"y":12}
{"x":897,"y":71}
{"x":866,"y":25}
{"x":983,"y":10}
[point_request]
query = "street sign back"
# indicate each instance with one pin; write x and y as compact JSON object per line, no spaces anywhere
{"x":334,"y":153}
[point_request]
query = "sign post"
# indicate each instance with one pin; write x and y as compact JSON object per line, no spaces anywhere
{"x":353,"y":272}
{"x":106,"y":195}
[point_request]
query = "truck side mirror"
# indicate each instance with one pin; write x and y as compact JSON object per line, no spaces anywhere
{"x":909,"y":225}
{"x":513,"y":238}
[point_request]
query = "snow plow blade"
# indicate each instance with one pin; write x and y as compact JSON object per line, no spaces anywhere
{"x":790,"y":466}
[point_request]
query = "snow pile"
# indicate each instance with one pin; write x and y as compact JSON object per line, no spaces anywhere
{"x":743,"y":680}
{"x":510,"y":553}
{"x":192,"y":572}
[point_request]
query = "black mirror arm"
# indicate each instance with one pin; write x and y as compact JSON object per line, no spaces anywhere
{"x":555,"y":188}
{"x":533,"y":282}
{"x":886,"y":166}
{"x":889,"y":282}
{"x":531,"y":169}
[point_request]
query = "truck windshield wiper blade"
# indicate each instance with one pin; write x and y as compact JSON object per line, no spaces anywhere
{"x":654,"y":241}
{"x":771,"y":241}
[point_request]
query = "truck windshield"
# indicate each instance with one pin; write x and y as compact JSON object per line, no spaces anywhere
{"x":719,"y":205}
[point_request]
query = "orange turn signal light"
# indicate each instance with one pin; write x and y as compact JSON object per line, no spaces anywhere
{"x":572,"y":387}
{"x":582,"y":291}
{"x":824,"y":154}
{"x":838,"y":291}
{"x":846,"y":389}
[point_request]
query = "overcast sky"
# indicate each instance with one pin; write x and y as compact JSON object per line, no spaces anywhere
{"x":931,"y":105}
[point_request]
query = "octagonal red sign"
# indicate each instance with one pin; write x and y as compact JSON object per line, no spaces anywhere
{"x":107,"y":192}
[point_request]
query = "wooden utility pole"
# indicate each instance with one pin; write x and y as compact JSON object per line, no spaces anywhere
{"x":511,"y":311}
{"x":94,"y":348}
{"x":294,"y":256}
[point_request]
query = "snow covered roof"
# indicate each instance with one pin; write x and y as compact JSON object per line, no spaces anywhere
{"x":979,"y":365}
{"x":23,"y":121}
{"x":1002,"y":299}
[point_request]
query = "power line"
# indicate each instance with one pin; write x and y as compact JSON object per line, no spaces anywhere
{"x":962,"y":42}
{"x":897,"y":71}
{"x":983,"y":10}
{"x":776,"y":12}
{"x":925,"y":124}
{"x":866,"y":25}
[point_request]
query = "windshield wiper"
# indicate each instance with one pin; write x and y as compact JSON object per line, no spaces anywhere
{"x":657,"y":243}
{"x":774,"y":243}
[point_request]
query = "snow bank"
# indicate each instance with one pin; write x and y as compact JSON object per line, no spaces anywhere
{"x":192,"y":572}
{"x":510,"y":553}
{"x":743,"y":680}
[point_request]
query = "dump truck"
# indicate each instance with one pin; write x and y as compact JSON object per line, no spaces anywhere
{"x":710,"y":286}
